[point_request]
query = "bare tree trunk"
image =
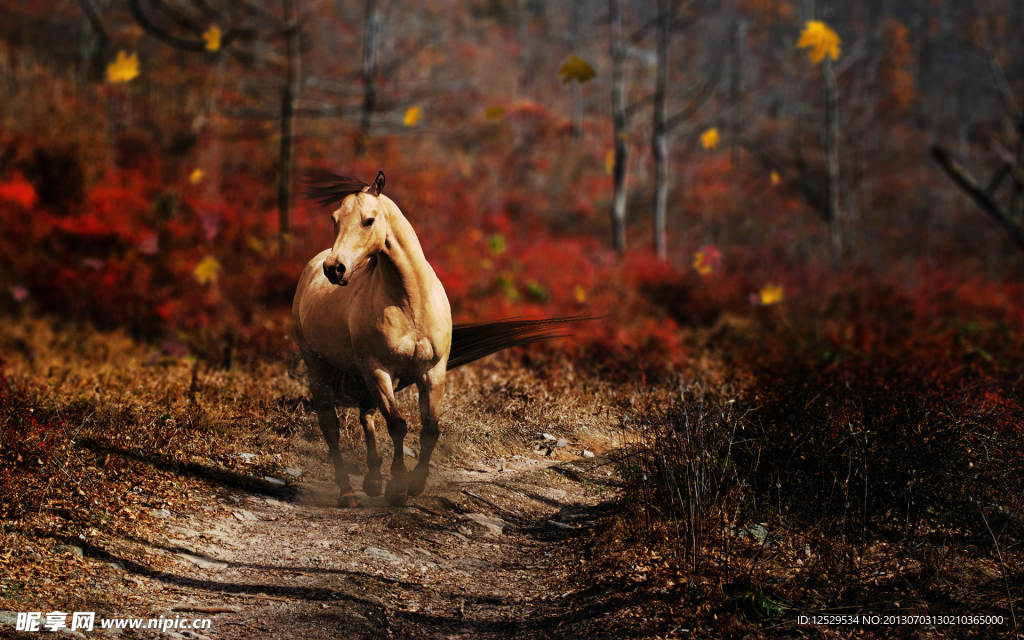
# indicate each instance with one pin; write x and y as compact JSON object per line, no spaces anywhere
{"x":92,"y":49}
{"x":290,"y":95}
{"x":739,"y":29}
{"x":619,"y":120}
{"x":576,"y":88}
{"x":369,"y":73}
{"x":832,"y":162}
{"x":659,"y":146}
{"x":524,"y":49}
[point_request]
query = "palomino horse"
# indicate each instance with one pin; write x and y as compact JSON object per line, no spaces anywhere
{"x":372,"y":318}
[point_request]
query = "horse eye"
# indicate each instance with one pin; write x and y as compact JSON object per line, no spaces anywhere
{"x":368,"y":222}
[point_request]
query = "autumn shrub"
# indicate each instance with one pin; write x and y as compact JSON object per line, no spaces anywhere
{"x":874,"y":433}
{"x":681,"y":483}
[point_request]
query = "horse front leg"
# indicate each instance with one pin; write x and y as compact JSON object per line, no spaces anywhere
{"x":372,"y":481}
{"x":381,"y":385}
{"x":321,"y":384}
{"x":431,"y":390}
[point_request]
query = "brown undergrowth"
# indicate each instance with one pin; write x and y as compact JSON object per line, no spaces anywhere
{"x":828,"y":483}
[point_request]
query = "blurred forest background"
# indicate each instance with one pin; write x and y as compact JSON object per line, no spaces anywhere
{"x":808,"y":215}
{"x":669,"y":161}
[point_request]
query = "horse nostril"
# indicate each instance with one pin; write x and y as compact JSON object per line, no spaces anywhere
{"x":334,"y":273}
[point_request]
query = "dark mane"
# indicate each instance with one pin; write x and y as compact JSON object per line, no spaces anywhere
{"x":329,"y":189}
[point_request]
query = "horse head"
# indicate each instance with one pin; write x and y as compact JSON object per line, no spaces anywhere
{"x":360,"y":232}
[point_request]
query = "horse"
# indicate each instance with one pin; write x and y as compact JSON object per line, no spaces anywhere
{"x":372,"y":318}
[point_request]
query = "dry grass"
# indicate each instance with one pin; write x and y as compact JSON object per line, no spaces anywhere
{"x":98,"y":433}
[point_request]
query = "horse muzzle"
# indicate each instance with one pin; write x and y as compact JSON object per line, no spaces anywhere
{"x":335,"y":274}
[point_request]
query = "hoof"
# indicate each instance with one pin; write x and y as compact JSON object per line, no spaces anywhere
{"x":394,"y":497}
{"x":347,"y":501}
{"x":372,"y":485}
{"x":417,"y":482}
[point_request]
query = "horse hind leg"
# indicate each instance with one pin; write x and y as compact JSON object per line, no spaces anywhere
{"x":372,"y":481}
{"x":431,"y":390}
{"x":327,"y":417}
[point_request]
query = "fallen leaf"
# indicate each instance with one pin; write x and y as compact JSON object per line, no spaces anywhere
{"x":576,"y":68}
{"x":709,"y":139}
{"x":123,"y":69}
{"x":822,"y":40}
{"x":707,"y":260}
{"x":770,"y":294}
{"x":212,"y":37}
{"x":412,"y":116}
{"x":207,"y":270}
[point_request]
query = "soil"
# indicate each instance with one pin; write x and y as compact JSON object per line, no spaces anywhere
{"x":490,"y":551}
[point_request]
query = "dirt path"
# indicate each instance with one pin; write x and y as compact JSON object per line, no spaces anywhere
{"x":487,"y":553}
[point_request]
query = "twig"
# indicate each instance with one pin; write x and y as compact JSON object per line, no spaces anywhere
{"x":485,"y":501}
{"x":253,"y":595}
{"x":1006,"y":579}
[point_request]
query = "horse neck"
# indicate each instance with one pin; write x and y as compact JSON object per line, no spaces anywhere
{"x":405,"y":269}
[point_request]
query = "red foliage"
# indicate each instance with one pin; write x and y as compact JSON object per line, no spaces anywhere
{"x":18,"y":191}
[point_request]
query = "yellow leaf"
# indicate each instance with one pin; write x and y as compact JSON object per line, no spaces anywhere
{"x":212,"y":37}
{"x":197,"y":176}
{"x":609,"y":161}
{"x":707,"y":260}
{"x":255,"y":244}
{"x":581,"y":294}
{"x":624,"y":137}
{"x":822,"y":40}
{"x":775,"y":178}
{"x":412,"y":116}
{"x":494,"y":113}
{"x":576,"y":68}
{"x":709,"y":139}
{"x":207,"y":270}
{"x":124,"y":68}
{"x":771,"y":294}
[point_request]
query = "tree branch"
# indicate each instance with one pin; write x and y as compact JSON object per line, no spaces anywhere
{"x":168,"y":38}
{"x":981,"y":197}
{"x":638,"y":105}
{"x":700,"y":96}
{"x":94,"y":21}
{"x":795,"y":181}
{"x":178,"y":18}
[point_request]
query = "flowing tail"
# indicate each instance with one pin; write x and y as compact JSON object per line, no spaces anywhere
{"x":473,"y":341}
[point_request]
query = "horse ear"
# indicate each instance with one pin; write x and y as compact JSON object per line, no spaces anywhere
{"x":378,"y":185}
